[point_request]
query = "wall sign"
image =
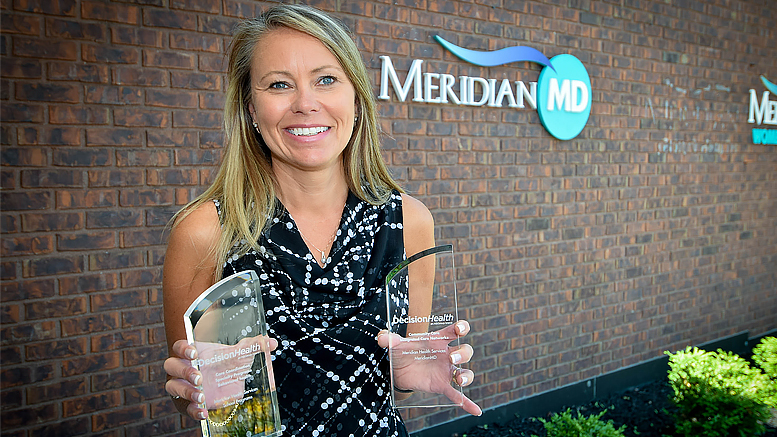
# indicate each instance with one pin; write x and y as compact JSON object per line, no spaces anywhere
{"x":763,"y":112}
{"x":561,"y":95}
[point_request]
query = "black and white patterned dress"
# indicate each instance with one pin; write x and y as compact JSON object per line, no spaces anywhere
{"x":332,"y":377}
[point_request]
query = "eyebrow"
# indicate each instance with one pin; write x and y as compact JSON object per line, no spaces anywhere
{"x":314,"y":71}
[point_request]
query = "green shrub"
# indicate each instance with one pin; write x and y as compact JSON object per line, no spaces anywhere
{"x":564,"y":425}
{"x":765,"y":355}
{"x":717,"y":394}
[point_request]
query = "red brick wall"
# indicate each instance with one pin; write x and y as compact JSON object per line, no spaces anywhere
{"x":654,"y":229}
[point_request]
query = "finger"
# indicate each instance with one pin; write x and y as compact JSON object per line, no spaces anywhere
{"x":462,"y":328}
{"x":184,"y":390}
{"x":385,"y":339}
{"x":196,"y":412}
{"x":461,"y":354}
{"x":464,"y":377}
{"x":182,"y":369}
{"x":458,"y":397}
{"x":182,"y":349}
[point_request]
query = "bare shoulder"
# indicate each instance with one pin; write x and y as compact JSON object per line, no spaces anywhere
{"x":200,"y":227}
{"x":417,"y":224}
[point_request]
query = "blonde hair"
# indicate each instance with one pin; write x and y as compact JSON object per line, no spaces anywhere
{"x":244,"y":183}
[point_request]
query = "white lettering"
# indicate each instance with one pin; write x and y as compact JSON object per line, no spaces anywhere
{"x":446,"y":89}
{"x":483,"y":87}
{"x":413,"y":79}
{"x":522,"y":92}
{"x":559,"y":95}
{"x":505,"y":90}
{"x":757,"y":113}
{"x":429,"y":87}
{"x":579,"y":90}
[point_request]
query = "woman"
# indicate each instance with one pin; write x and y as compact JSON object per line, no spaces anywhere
{"x":304,"y":199}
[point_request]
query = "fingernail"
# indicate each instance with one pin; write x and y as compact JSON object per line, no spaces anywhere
{"x":201,"y":415}
{"x":190,"y":353}
{"x":198,"y":397}
{"x":196,"y":379}
{"x":462,"y":327}
{"x":464,"y":380}
{"x":455,"y":358}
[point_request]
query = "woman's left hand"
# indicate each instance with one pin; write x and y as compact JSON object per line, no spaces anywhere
{"x":439,"y":365}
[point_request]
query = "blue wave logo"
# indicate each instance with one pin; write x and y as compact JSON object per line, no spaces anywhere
{"x":497,"y":57}
{"x":769,"y":86}
{"x":563,"y":88}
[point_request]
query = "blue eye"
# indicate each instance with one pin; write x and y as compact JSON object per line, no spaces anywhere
{"x":327,"y":80}
{"x":279,"y":85}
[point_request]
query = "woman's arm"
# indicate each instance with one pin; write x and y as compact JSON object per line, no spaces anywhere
{"x":418,"y":232}
{"x":189,"y":270}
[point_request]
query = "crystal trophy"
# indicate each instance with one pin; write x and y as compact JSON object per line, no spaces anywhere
{"x":424,"y":342}
{"x":226,"y":324}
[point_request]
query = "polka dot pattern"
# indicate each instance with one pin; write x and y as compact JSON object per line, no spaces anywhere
{"x":332,"y":377}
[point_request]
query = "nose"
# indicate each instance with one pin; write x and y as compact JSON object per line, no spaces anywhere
{"x":305,"y":101}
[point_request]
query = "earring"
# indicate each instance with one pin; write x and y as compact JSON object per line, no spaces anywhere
{"x":256,"y":126}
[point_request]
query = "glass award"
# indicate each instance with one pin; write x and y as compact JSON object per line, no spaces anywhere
{"x":227,"y":326}
{"x":424,"y":341}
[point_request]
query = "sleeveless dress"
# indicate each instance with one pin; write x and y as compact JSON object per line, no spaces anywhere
{"x":332,"y":378}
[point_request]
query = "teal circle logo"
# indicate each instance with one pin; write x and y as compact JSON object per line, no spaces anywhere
{"x":564,"y":97}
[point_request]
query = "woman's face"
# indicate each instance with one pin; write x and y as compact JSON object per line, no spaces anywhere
{"x":302,"y":100}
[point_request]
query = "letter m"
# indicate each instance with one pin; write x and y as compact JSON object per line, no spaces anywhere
{"x":757,"y":113}
{"x":413,"y":79}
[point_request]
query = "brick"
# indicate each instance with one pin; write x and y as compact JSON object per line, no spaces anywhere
{"x":172,"y":177}
{"x":77,"y":115}
{"x":24,"y":156}
{"x":118,"y":379}
{"x":45,"y":49}
{"x":56,"y":349}
{"x":67,"y":29}
{"x":169,"y":19}
{"x":18,"y":246}
{"x":21,"y":113}
{"x":212,"y":63}
{"x":86,"y":241}
{"x":53,"y":266}
{"x":47,"y":7}
{"x":51,"y":178}
{"x":160,"y":216}
{"x":30,"y":414}
{"x":56,"y":391}
{"x":21,"y":68}
{"x":212,"y":100}
{"x":116,"y":340}
{"x":28,"y":332}
{"x":142,"y":393}
{"x":139,"y":76}
{"x":164,"y":59}
{"x":143,"y":158}
{"x":9,"y":314}
{"x":64,"y":136}
{"x":81,"y":157}
{"x":88,"y":283}
{"x":91,"y":403}
{"x":21,"y":24}
{"x":90,"y":324}
{"x":109,"y":54}
{"x":113,"y":95}
{"x":139,"y":278}
{"x":197,"y":157}
{"x":142,"y":317}
{"x":116,"y":12}
{"x":33,"y":289}
{"x":146,"y":197}
{"x":115,"y":260}
{"x":200,"y":43}
{"x":118,"y":300}
{"x":91,"y":364}
{"x":136,"y":37}
{"x":113,"y":219}
{"x":145,"y":355}
{"x":114,"y":137}
{"x":25,"y":201}
{"x":52,"y":308}
{"x":133,"y":117}
{"x":86,"y":199}
{"x":17,"y":376}
{"x":77,"y":426}
{"x":196,"y":6}
{"x":176,"y":138}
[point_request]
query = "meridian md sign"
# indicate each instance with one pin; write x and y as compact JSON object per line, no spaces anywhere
{"x":764,"y":112}
{"x":561,"y":95}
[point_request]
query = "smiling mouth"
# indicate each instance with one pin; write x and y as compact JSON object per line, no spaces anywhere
{"x":306,"y":131}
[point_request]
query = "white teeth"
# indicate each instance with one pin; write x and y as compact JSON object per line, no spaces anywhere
{"x":307,"y":131}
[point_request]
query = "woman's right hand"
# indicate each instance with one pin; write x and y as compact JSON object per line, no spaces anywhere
{"x":183,"y":379}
